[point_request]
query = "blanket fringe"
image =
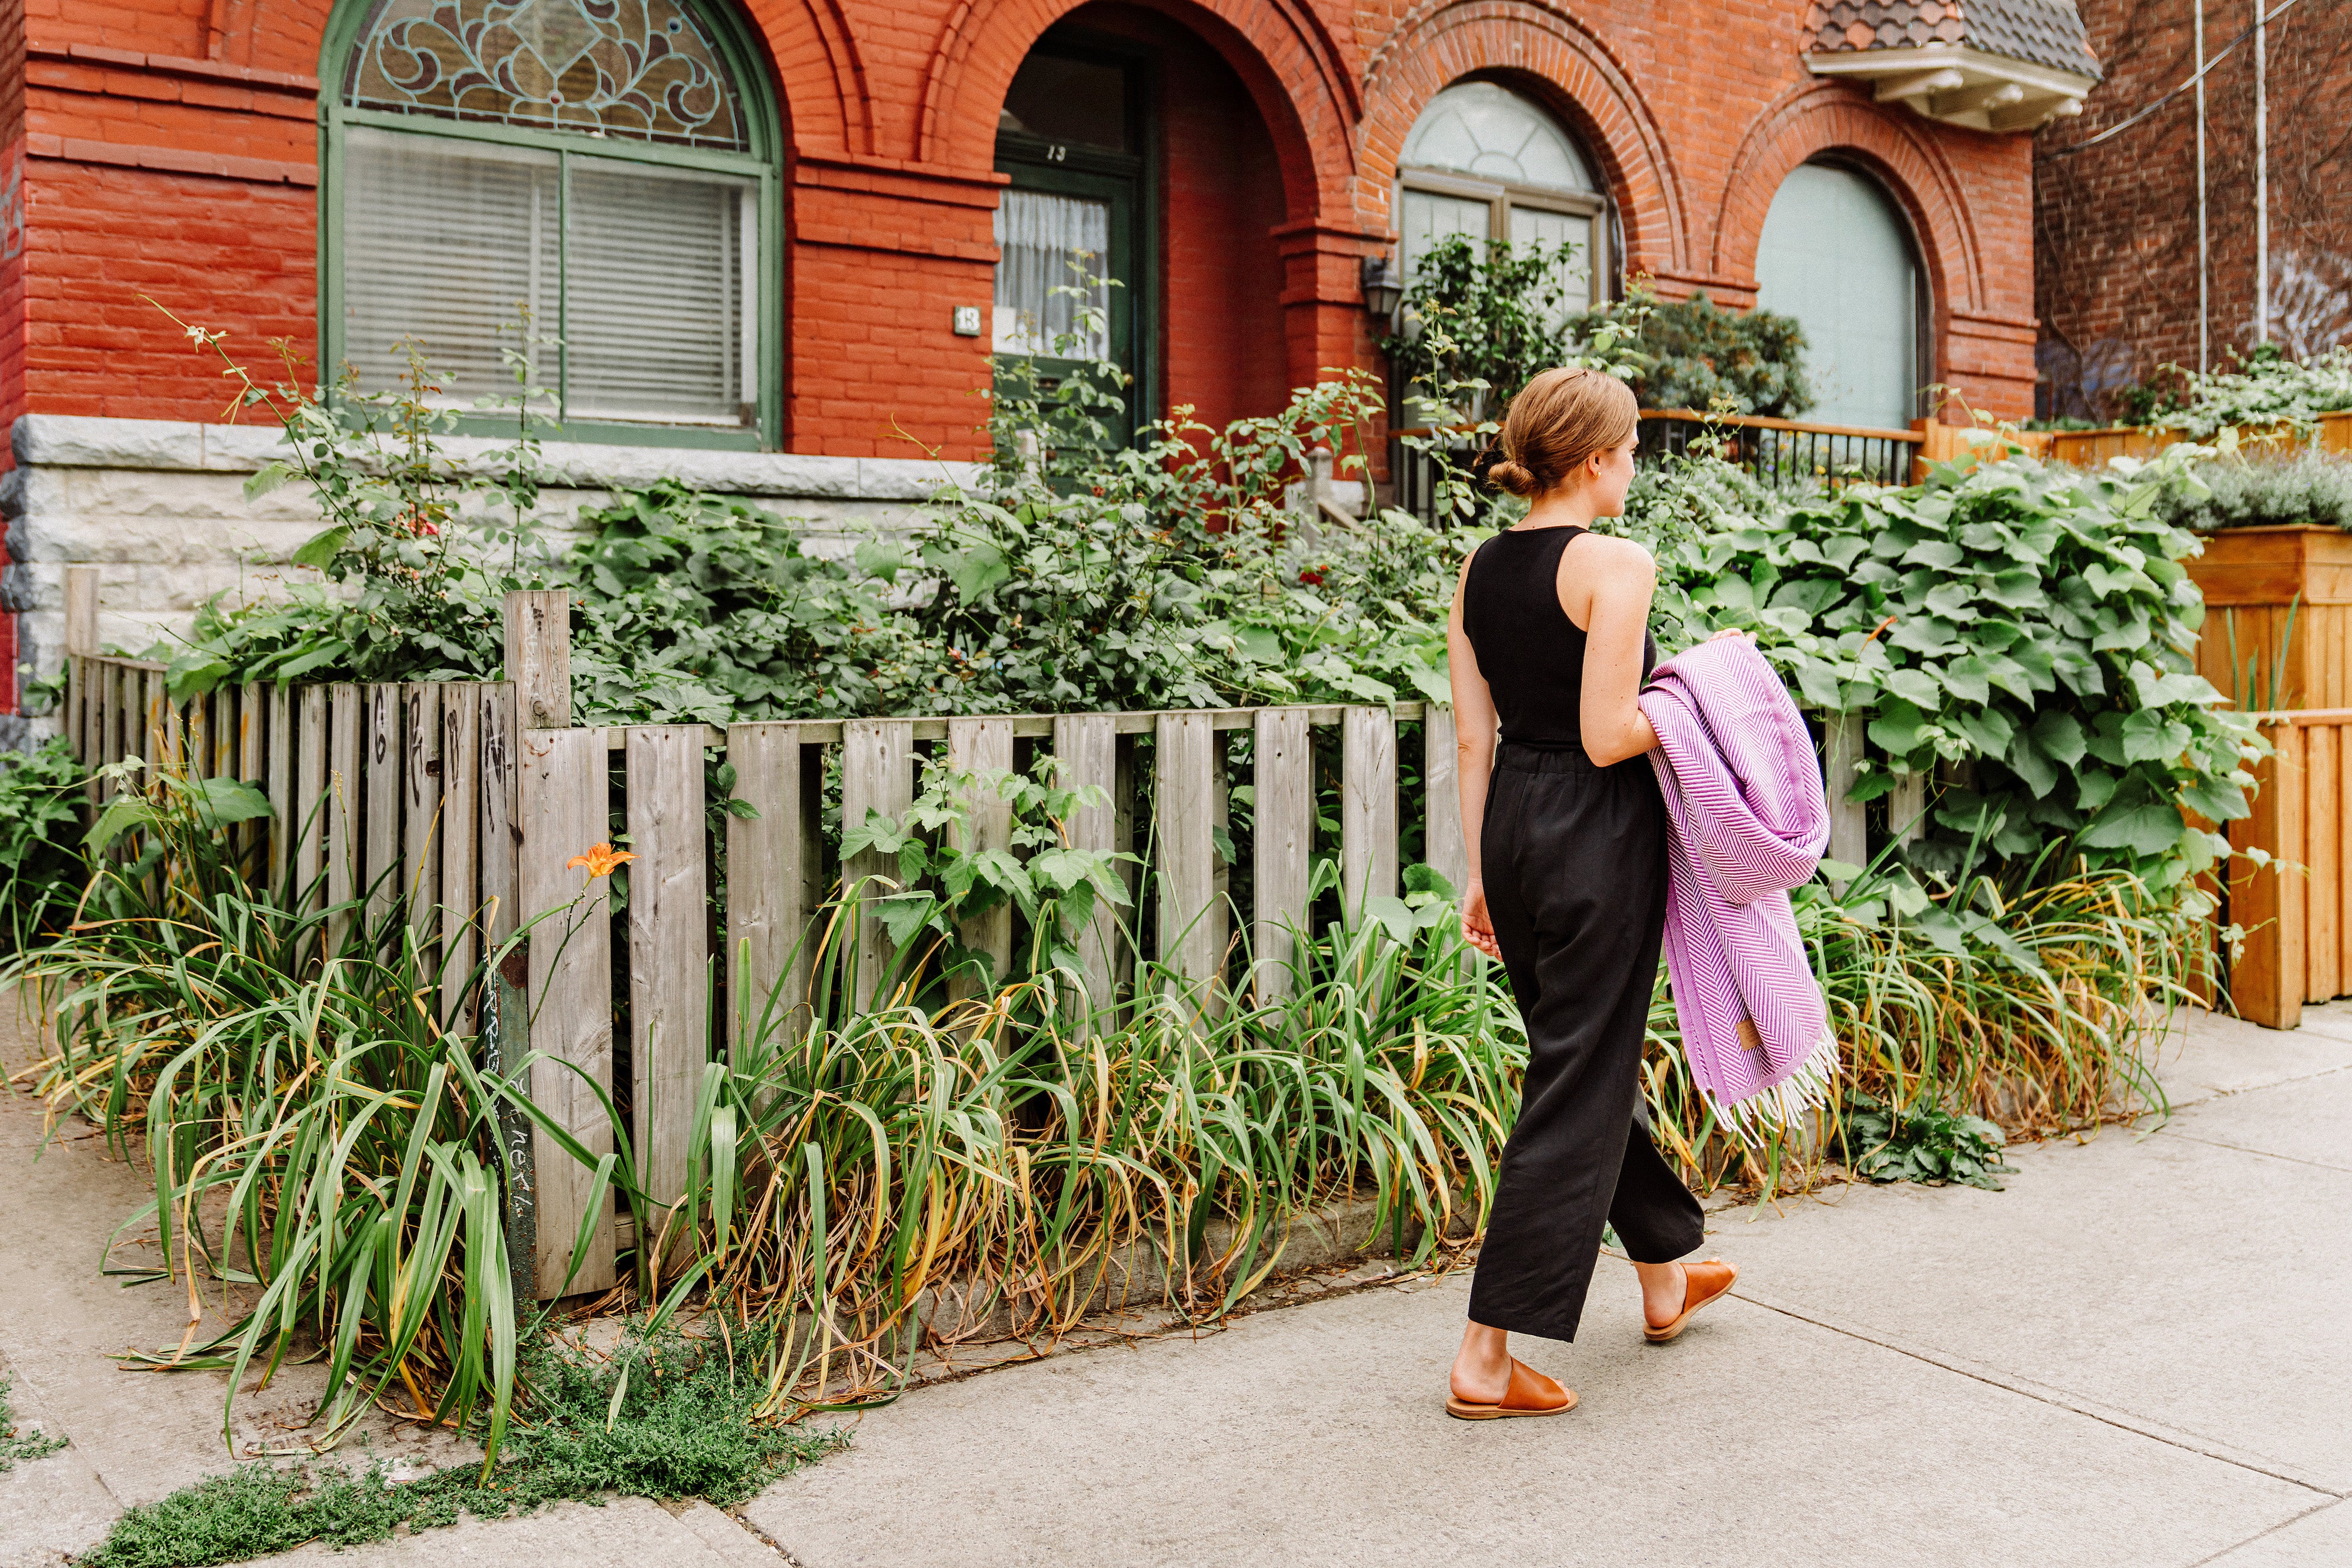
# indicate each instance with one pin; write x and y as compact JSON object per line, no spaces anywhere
{"x":1807,"y":1086}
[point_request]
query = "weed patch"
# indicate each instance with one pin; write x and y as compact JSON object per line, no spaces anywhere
{"x":1923,"y":1144}
{"x":662,"y":1416}
{"x":15,"y":1446}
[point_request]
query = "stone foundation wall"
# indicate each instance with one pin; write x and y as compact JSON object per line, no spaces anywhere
{"x":159,"y":506}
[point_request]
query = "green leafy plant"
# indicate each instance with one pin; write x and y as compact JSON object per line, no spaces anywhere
{"x":1500,"y":308}
{"x":2265,"y":390}
{"x":40,"y":816}
{"x":945,"y":880}
{"x":410,"y":580}
{"x":1692,"y":353}
{"x":1923,"y":1144}
{"x":2310,"y":489}
{"x":2030,"y":626}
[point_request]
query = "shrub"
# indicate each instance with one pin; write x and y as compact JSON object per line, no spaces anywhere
{"x":2026,"y":630}
{"x":1693,"y":355}
{"x":40,"y":829}
{"x":1482,"y":316}
{"x":2310,"y":488}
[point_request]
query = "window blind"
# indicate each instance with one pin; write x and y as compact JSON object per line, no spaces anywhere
{"x":1039,"y":236}
{"x":446,"y":242}
{"x":656,"y":322}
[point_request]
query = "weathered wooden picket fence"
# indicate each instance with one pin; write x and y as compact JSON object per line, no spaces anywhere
{"x":461,"y":803}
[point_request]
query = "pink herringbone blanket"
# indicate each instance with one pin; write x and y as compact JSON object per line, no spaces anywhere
{"x":1749,"y":818}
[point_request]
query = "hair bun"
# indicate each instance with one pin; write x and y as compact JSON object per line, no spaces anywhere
{"x":1505,"y":475}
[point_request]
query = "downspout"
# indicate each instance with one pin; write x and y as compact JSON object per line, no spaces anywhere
{"x":2204,"y":312}
{"x":2261,"y":188}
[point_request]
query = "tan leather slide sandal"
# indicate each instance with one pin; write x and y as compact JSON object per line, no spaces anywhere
{"x":1702,"y":1282}
{"x":1530,"y":1394}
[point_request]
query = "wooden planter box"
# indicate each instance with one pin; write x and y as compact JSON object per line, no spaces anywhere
{"x":2283,"y":596}
{"x":1940,"y":443}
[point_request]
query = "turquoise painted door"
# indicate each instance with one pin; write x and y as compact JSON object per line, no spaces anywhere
{"x":1837,"y":256}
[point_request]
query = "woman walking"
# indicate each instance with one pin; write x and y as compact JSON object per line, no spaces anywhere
{"x":1566,"y":834}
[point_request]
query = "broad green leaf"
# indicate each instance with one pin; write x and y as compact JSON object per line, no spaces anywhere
{"x":319,"y":552}
{"x":1915,"y":687}
{"x":975,"y":570}
{"x":2059,"y":736}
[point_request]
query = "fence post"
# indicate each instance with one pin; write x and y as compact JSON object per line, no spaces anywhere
{"x":877,"y":762}
{"x":539,"y":657}
{"x":773,"y":874}
{"x":1841,"y":754}
{"x":2268,"y":902}
{"x":1087,"y":747}
{"x":976,"y":745}
{"x":563,"y":799}
{"x":669,"y":1009}
{"x":1367,"y":808}
{"x":1443,"y":840}
{"x":82,"y":709}
{"x":1184,"y":854}
{"x":1906,"y":807}
{"x":1284,"y":833}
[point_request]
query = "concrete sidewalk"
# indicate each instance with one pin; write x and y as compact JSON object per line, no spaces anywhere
{"x":2140,"y":1353}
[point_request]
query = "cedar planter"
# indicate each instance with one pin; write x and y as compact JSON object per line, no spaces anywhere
{"x":2284,"y":597}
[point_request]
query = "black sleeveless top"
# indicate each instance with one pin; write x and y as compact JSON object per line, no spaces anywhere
{"x":1530,"y":651}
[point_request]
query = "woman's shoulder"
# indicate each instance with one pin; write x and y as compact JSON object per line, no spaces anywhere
{"x":1609,"y":553}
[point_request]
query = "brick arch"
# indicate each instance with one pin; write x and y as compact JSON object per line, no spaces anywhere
{"x":1830,"y":116}
{"x":1304,"y":88}
{"x":1543,"y":50}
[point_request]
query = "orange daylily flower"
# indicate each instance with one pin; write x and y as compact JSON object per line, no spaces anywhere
{"x":599,"y":862}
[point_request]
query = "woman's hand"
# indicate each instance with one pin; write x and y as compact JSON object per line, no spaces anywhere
{"x":1477,"y":926}
{"x":1731,"y":631}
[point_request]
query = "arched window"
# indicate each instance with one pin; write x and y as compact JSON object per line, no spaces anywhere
{"x":605,"y":167}
{"x":1484,"y":162}
{"x":1837,"y":254}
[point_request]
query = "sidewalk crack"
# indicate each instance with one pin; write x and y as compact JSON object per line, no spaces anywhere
{"x":2122,"y":1420}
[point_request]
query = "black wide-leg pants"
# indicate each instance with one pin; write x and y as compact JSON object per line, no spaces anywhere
{"x":1574,"y":859}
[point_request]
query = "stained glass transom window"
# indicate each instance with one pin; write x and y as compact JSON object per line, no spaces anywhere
{"x":646,"y":69}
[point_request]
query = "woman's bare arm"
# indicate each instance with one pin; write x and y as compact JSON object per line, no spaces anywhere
{"x":1474,"y":749}
{"x":1605,"y":587}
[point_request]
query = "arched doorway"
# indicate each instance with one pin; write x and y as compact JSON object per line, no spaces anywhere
{"x":1133,"y":149}
{"x":1836,"y":253}
{"x":616,"y":177}
{"x":1484,"y":161}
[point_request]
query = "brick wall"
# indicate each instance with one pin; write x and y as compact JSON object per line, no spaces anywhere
{"x":2115,"y":224}
{"x":169,"y":146}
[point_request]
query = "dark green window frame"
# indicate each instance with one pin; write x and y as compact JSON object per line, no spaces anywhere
{"x":762,"y":164}
{"x":1130,"y":183}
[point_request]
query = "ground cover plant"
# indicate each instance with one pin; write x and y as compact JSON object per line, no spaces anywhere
{"x":660,"y":1416}
{"x":17,"y":1447}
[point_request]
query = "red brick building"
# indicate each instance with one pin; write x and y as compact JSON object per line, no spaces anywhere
{"x":805,"y":226}
{"x":2117,"y":199}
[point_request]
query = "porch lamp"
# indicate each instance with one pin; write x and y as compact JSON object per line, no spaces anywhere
{"x":1384,"y":289}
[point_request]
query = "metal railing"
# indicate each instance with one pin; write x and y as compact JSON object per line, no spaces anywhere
{"x":1783,"y":453}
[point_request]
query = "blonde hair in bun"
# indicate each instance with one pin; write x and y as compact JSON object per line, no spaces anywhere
{"x":1558,"y":419}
